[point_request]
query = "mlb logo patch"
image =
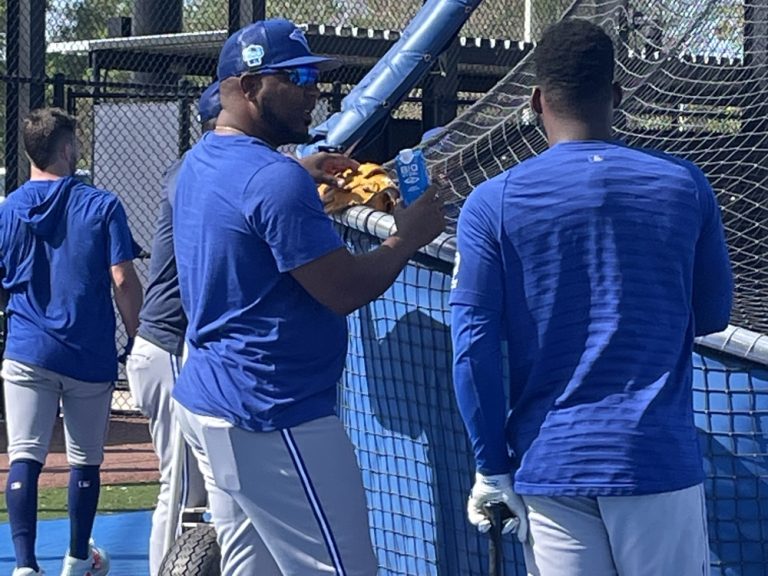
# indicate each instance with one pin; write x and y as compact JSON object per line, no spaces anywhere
{"x":253,"y":54}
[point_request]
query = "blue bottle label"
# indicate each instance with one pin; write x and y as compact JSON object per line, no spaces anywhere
{"x":412,"y":174}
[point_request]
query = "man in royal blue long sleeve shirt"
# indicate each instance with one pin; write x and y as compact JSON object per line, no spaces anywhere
{"x":598,"y":264}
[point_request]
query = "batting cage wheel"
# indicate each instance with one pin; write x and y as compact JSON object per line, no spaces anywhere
{"x":194,"y":553}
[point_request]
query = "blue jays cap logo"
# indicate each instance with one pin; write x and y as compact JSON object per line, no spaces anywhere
{"x":253,"y":54}
{"x":298,"y":36}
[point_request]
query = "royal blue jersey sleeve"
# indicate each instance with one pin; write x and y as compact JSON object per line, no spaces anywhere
{"x":121,"y":245}
{"x":712,"y":275}
{"x":477,"y":298}
{"x":290,"y":220}
{"x":478,"y":274}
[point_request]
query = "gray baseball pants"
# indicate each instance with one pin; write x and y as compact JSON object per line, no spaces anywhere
{"x":656,"y":534}
{"x":284,"y":503}
{"x":32,"y":397}
{"x":151,"y":373}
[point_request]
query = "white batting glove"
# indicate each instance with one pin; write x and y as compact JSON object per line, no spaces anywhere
{"x":497,"y":488}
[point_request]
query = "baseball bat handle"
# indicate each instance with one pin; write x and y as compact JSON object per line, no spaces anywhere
{"x":497,"y":513}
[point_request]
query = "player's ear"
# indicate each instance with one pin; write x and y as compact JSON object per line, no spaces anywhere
{"x":250,"y":85}
{"x":618,"y":94}
{"x":536,"y":100}
{"x":68,"y":150}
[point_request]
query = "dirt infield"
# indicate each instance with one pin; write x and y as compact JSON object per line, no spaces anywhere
{"x":128,"y":457}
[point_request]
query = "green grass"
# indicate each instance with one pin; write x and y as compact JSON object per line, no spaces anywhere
{"x":52,"y":502}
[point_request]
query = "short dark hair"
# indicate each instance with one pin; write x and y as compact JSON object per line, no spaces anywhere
{"x":44,"y":130}
{"x":574,"y":66}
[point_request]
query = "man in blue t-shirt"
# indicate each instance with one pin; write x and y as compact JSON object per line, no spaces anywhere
{"x":266,"y":283}
{"x":155,"y":358}
{"x":63,"y":245}
{"x":598,"y":264}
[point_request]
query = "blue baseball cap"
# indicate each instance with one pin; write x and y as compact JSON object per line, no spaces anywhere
{"x":268,"y":45}
{"x":209,"y":105}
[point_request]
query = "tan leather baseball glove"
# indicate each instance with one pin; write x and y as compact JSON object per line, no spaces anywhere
{"x":369,"y":185}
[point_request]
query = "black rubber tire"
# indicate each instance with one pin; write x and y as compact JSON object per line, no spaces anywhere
{"x":194,"y":553}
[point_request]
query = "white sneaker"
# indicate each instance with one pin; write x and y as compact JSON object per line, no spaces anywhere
{"x":97,"y":564}
{"x":27,"y":572}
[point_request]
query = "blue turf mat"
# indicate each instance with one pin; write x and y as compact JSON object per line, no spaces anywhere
{"x":125,"y":536}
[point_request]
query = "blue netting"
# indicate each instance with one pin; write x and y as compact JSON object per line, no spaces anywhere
{"x":398,"y":405}
{"x":731,"y":410}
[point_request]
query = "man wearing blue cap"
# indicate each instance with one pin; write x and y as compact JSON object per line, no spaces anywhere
{"x":155,"y":358}
{"x":266,"y":283}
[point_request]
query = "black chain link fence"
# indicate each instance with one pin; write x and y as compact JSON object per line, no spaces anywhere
{"x":132,"y":70}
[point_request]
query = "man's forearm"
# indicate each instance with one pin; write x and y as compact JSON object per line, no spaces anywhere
{"x":479,"y":386}
{"x":128,"y":298}
{"x":377,"y":270}
{"x":343,"y":282}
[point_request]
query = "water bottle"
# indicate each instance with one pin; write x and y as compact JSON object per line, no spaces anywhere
{"x":412,"y":174}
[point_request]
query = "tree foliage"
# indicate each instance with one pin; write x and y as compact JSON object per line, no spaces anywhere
{"x":3,"y":15}
{"x":83,"y":19}
{"x":202,"y":15}
{"x":72,"y":20}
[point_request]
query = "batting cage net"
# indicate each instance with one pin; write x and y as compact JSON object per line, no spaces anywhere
{"x":696,"y":85}
{"x":397,"y":402}
{"x":695,"y":77}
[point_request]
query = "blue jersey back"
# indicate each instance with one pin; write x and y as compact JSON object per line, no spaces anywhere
{"x":58,"y":240}
{"x":263,"y":354}
{"x":593,"y":254}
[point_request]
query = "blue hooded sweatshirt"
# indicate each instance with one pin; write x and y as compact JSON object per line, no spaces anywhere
{"x":58,"y":240}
